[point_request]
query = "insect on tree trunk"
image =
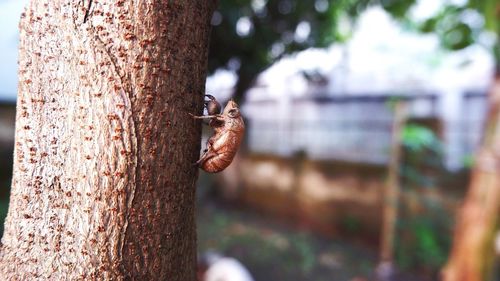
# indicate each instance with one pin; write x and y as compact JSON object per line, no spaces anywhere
{"x":103,"y":185}
{"x":473,"y":248}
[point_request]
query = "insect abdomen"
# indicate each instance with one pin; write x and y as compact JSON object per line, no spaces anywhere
{"x":217,"y":163}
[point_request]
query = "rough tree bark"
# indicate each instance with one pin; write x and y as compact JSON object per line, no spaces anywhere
{"x":103,"y":184}
{"x":473,"y":251}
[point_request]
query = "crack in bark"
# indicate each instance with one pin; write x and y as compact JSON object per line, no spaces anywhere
{"x":87,"y":12}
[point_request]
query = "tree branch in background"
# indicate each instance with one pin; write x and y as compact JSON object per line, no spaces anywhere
{"x":473,"y":248}
{"x":391,"y":195}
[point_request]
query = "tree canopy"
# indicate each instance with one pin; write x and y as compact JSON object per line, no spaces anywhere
{"x":248,"y":35}
{"x":459,"y":26}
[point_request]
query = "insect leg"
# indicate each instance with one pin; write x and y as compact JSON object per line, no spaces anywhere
{"x":207,"y":155}
{"x":217,"y":117}
{"x":204,"y":117}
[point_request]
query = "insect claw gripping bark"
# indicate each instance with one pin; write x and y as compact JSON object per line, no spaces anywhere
{"x":229,"y":130}
{"x":212,"y":105}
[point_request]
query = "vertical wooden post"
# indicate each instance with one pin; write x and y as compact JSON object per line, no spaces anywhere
{"x":391,"y":196}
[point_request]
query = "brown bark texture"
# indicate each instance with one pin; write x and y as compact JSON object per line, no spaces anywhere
{"x":473,"y":247}
{"x":103,"y":185}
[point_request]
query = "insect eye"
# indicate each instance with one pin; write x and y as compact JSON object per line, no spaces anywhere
{"x":233,"y":112}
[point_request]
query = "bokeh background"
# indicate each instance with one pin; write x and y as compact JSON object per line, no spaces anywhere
{"x":345,"y":102}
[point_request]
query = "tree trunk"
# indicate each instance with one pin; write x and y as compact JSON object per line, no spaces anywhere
{"x":103,"y":185}
{"x":473,"y":251}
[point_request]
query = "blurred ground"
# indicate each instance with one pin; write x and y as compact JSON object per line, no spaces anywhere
{"x":272,"y":250}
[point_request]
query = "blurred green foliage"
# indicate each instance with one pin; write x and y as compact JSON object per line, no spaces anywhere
{"x":416,"y":138}
{"x":273,"y":252}
{"x":454,"y":33}
{"x":458,"y":26}
{"x":423,"y":241}
{"x":468,"y":161}
{"x":424,"y":227}
{"x":351,"y":224}
{"x":422,"y":158}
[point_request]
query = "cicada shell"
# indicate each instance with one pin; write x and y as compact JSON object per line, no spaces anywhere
{"x":229,"y":130}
